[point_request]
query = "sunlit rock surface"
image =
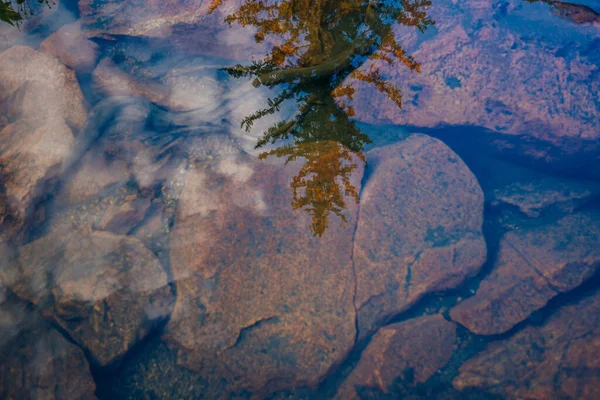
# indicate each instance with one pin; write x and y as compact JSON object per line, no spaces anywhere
{"x":555,"y":361}
{"x":36,"y":361}
{"x":504,"y":67}
{"x":419,"y":227}
{"x":412,"y":351}
{"x":532,"y":267}
{"x":107,"y":291}
{"x":262,"y":302}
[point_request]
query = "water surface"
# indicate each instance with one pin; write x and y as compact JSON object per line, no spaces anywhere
{"x":299,"y":199}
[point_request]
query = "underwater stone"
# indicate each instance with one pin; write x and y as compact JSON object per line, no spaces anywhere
{"x":37,"y":361}
{"x":533,"y":266}
{"x":262,"y":303}
{"x":558,"y":360}
{"x":107,"y":291}
{"x":419,"y":228}
{"x":411,"y":351}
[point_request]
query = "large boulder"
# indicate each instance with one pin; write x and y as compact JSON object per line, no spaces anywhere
{"x":533,"y":266}
{"x":262,"y":303}
{"x":107,"y":291}
{"x":37,"y":362}
{"x":558,"y":360}
{"x":419,"y":228}
{"x":411,"y":351}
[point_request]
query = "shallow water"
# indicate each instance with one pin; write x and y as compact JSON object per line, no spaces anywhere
{"x":307,"y":199}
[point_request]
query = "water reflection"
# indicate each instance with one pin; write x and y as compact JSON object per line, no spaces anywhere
{"x":14,"y":11}
{"x":316,"y":47}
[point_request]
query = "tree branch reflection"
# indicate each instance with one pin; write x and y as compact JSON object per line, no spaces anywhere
{"x":320,"y":50}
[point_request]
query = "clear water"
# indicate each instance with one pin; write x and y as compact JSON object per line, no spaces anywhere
{"x":299,"y":199}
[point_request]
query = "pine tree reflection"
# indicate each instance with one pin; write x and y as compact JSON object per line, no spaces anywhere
{"x":321,"y":43}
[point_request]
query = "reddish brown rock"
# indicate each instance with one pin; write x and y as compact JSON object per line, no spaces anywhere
{"x":578,"y":13}
{"x":262,"y":303}
{"x":555,"y":361}
{"x":419,"y":227}
{"x":72,"y":48}
{"x":477,"y":71}
{"x":108,"y":291}
{"x":36,"y":362}
{"x":412,"y":351}
{"x":532,"y":267}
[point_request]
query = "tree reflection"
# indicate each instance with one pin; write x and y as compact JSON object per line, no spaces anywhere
{"x":317,"y":45}
{"x":13,"y":11}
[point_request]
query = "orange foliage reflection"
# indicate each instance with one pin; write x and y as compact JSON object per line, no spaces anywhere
{"x":315,"y":46}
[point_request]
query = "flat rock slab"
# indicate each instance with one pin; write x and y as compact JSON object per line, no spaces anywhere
{"x":532,"y":267}
{"x":419,"y":228}
{"x":558,"y":360}
{"x":412,"y":351}
{"x":107,"y":291}
{"x":262,"y":302}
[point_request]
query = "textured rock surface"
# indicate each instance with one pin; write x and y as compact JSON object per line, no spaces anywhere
{"x":412,"y":351}
{"x":106,"y":290}
{"x":72,"y":48}
{"x":95,"y":175}
{"x":36,"y":362}
{"x":504,"y":68}
{"x":419,"y":227}
{"x":533,"y":198}
{"x":42,"y":108}
{"x":555,"y":361}
{"x":54,"y":93}
{"x":532,"y":267}
{"x":262,"y":303}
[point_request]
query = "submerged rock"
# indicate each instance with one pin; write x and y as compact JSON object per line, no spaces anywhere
{"x":43,"y":113}
{"x":37,"y":362}
{"x":411,"y":351}
{"x":107,"y":291}
{"x":533,"y":198}
{"x":578,"y":13}
{"x":54,"y":91}
{"x":555,"y":361}
{"x":262,"y":303}
{"x":419,"y":228}
{"x":532,"y":267}
{"x":496,"y":67}
{"x":71,"y":46}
